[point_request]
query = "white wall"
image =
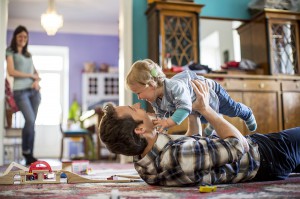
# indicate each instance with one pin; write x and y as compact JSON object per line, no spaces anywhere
{"x":125,"y":54}
{"x":3,"y":27}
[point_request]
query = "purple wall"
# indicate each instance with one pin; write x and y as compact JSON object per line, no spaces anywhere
{"x":82,"y":48}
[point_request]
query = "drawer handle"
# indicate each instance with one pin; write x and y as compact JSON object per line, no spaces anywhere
{"x":261,"y":85}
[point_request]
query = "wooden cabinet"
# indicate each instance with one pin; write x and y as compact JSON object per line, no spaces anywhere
{"x":262,"y":96}
{"x":274,"y":100}
{"x":291,"y":102}
{"x":265,"y":106}
{"x":271,"y":39}
{"x":173,"y":31}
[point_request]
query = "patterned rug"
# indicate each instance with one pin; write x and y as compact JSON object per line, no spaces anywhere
{"x":289,"y":188}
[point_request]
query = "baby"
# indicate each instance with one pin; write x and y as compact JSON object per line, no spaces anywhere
{"x":172,"y":98}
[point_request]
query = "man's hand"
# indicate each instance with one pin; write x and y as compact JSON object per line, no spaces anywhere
{"x":223,"y":128}
{"x":163,"y":124}
{"x":202,"y":96}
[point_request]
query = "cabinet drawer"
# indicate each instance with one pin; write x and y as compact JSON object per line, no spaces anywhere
{"x":251,"y":85}
{"x":290,"y":86}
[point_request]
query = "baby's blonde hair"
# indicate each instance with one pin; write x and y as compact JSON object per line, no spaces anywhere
{"x":144,"y":72}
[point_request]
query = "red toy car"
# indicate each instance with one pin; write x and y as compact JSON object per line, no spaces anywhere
{"x":38,"y":166}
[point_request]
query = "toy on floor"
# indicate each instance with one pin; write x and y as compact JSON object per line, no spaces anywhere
{"x":40,"y":172}
{"x":116,"y":177}
{"x":207,"y":189}
{"x":80,"y":167}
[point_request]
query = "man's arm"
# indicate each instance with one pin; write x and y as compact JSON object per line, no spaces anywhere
{"x":194,"y":125}
{"x":223,"y":128}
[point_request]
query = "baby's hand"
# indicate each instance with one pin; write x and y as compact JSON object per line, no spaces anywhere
{"x":163,"y":124}
{"x":160,"y":125}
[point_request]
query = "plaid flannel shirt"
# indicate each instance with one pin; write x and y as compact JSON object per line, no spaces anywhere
{"x":195,"y":160}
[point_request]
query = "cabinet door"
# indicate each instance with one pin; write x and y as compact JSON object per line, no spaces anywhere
{"x":284,"y":46}
{"x":179,"y":129}
{"x":179,"y":37}
{"x":265,"y":109}
{"x":291,"y":109}
{"x":262,"y":97}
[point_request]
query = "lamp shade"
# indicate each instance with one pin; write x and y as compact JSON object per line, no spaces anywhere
{"x":50,"y":20}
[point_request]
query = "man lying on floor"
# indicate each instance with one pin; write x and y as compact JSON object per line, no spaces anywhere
{"x":230,"y":157}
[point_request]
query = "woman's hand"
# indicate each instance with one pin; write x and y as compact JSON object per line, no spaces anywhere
{"x":35,"y":76}
{"x":35,"y":85}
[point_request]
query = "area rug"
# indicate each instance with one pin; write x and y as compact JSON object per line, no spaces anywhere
{"x":289,"y":188}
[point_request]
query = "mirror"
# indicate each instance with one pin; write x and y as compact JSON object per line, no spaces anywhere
{"x":219,"y":42}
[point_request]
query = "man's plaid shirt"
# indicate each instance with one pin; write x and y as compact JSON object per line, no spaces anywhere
{"x":195,"y":160}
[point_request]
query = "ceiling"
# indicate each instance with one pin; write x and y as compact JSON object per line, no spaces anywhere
{"x":80,"y":16}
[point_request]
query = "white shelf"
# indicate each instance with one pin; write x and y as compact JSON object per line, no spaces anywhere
{"x":98,"y":89}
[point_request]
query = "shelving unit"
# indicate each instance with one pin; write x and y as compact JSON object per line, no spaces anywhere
{"x":173,"y":29}
{"x":271,"y":39}
{"x":98,"y":89}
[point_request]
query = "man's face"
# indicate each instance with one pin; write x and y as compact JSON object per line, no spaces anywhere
{"x":137,"y":113}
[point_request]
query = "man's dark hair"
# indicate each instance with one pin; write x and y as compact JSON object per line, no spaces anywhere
{"x":117,"y":133}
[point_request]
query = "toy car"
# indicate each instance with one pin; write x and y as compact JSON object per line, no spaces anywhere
{"x":38,"y":167}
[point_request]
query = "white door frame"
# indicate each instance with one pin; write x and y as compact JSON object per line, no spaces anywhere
{"x":3,"y":31}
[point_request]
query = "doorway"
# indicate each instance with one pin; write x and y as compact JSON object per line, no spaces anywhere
{"x":52,"y":64}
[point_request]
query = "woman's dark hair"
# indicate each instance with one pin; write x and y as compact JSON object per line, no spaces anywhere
{"x":118,"y":133}
{"x":13,"y":44}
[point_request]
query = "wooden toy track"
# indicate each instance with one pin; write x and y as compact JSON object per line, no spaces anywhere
{"x":21,"y":177}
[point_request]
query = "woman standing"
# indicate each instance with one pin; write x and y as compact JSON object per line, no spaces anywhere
{"x":26,"y":87}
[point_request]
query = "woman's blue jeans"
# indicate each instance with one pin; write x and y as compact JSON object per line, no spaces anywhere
{"x":28,"y":102}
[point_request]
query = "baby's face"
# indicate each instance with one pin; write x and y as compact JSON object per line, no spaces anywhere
{"x":137,"y":114}
{"x":144,"y":92}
